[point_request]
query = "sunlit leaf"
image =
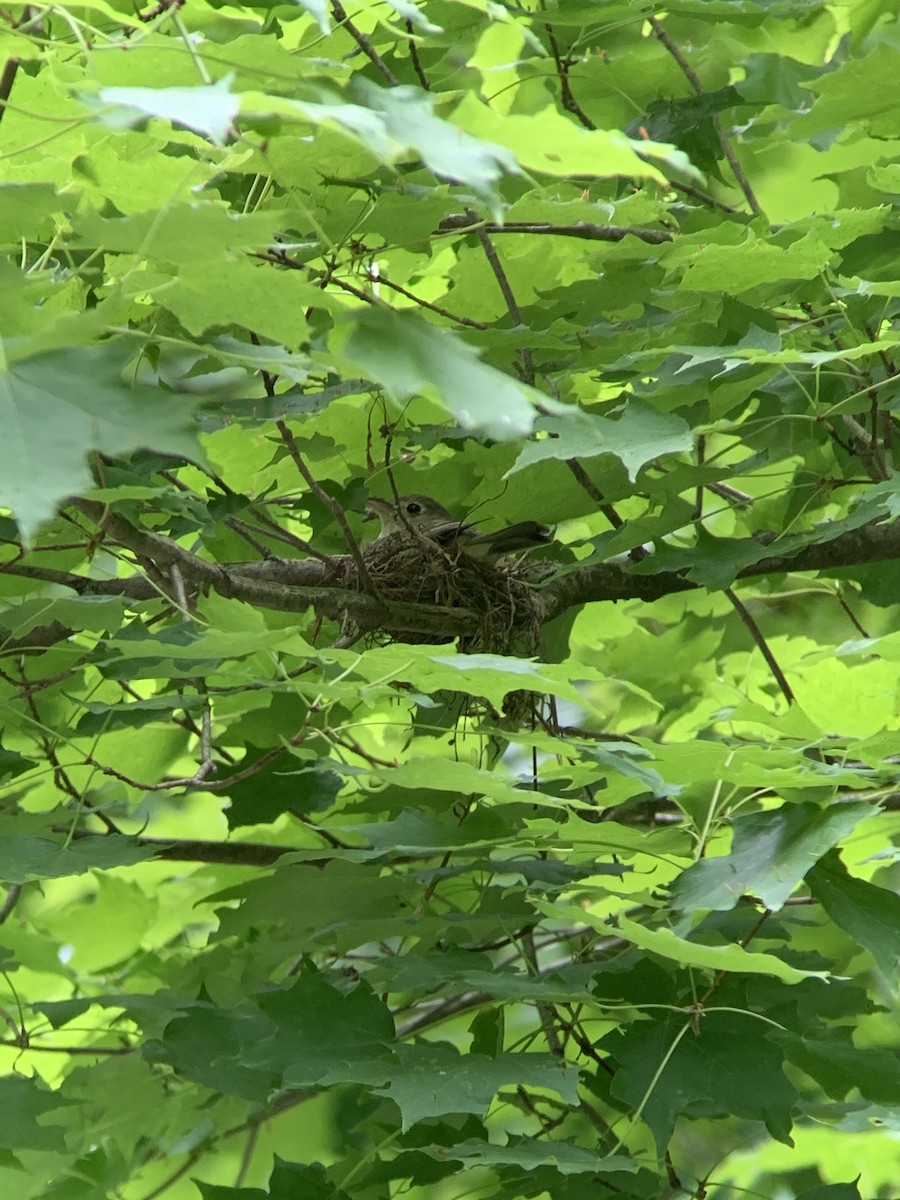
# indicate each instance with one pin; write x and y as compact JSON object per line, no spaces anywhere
{"x":209,"y":110}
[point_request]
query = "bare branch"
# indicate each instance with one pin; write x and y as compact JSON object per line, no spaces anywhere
{"x":363,"y":42}
{"x":756,"y":633}
{"x":466,"y":223}
{"x":330,"y":503}
{"x":694,"y":80}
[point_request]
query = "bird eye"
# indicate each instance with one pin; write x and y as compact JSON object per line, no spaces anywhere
{"x":413,"y":508}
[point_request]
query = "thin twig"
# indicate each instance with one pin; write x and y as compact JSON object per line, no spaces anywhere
{"x":850,"y":614}
{"x":179,"y":593}
{"x":701,"y":456}
{"x":60,"y":776}
{"x":757,"y":635}
{"x":26,"y":1044}
{"x":363,"y":42}
{"x":11,"y":66}
{"x":330,"y":503}
{"x":13,"y":892}
{"x":435,"y":308}
{"x":7,"y":79}
{"x":354,"y":291}
{"x":527,"y":372}
{"x":247,"y":1155}
{"x":191,"y":1161}
{"x":636,"y":553}
{"x":565,"y":90}
{"x":549,"y":1017}
{"x":243,"y":531}
{"x":694,"y":80}
{"x":744,"y":943}
{"x":726,"y":492}
{"x":414,"y":57}
{"x":695,"y":193}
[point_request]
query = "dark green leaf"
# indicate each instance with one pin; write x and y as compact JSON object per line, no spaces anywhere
{"x":728,"y":1066}
{"x":870,"y":914}
{"x":771,"y":853}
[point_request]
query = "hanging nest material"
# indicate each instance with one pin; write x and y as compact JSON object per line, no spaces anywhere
{"x":414,"y":569}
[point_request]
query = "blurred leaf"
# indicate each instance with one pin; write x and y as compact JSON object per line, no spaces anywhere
{"x":51,"y":425}
{"x":407,"y":356}
{"x":209,"y":110}
{"x":409,"y":120}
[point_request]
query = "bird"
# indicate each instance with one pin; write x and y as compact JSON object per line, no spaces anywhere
{"x":416,"y":514}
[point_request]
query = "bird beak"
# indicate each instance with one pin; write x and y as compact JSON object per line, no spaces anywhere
{"x":375,"y":508}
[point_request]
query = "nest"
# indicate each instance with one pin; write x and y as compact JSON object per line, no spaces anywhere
{"x":412,"y":569}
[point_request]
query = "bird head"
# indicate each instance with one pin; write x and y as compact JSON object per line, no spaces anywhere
{"x":419,"y":513}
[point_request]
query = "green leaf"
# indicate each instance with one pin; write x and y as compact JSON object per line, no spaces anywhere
{"x":568,"y":1159}
{"x":547,"y":141}
{"x":215,"y":1047}
{"x":240,"y":292}
{"x":406,"y":356}
{"x":22,"y":205}
{"x":727,"y":1067}
{"x":668,"y":945}
{"x":288,"y":1181}
{"x":832,"y":1191}
{"x":439,"y":238}
{"x":432,"y":1079}
{"x":202,"y":231}
{"x":24,"y":1103}
{"x":640,"y":435}
{"x":23,"y":858}
{"x":50,"y":425}
{"x":841,"y":1068}
{"x":409,"y":120}
{"x":712,"y":562}
{"x":740,"y":268}
{"x":771,"y":853}
{"x":210,"y":110}
{"x":279,"y":787}
{"x":869,"y":914}
{"x":320,"y":1032}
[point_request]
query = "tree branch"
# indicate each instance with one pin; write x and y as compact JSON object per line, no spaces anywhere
{"x":463,"y":222}
{"x":364,"y":44}
{"x":694,"y":80}
{"x":288,"y":585}
{"x":614,"y":580}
